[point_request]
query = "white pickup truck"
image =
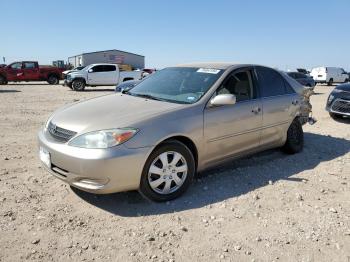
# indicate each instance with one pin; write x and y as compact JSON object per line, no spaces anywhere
{"x":99,"y":75}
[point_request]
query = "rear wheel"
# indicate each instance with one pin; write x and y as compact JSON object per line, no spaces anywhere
{"x":53,"y":80}
{"x":295,"y":138}
{"x":78,"y":85}
{"x":330,"y":82}
{"x":168,"y":172}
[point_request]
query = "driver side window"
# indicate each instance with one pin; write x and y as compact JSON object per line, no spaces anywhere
{"x":16,"y":66}
{"x":239,"y":84}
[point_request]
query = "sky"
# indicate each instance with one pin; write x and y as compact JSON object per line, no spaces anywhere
{"x":276,"y":33}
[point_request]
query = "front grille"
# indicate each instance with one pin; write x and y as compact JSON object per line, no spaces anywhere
{"x":341,"y":106}
{"x":59,"y":133}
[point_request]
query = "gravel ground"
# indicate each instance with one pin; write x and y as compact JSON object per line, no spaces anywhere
{"x":268,"y":207}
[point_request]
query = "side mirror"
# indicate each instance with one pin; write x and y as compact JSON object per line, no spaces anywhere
{"x":90,"y":70}
{"x":224,"y":99}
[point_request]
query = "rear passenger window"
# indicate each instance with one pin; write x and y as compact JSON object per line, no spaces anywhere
{"x":109,"y":68}
{"x":29,"y":65}
{"x":238,"y":84}
{"x":271,"y":83}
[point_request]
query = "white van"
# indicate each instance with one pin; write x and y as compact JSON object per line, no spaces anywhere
{"x":329,"y":75}
{"x":99,"y":75}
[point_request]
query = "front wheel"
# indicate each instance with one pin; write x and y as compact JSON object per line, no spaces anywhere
{"x":3,"y":80}
{"x":330,"y":82}
{"x":335,"y":116}
{"x":295,"y":138}
{"x":168,"y":172}
{"x":78,"y":85}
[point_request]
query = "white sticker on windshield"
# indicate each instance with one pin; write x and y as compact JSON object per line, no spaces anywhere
{"x":191,"y":98}
{"x":208,"y":71}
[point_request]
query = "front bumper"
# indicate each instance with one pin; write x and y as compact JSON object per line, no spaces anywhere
{"x":339,"y":106}
{"x":99,"y":171}
{"x":67,"y":82}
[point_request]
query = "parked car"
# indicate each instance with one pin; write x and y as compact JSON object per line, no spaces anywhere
{"x":99,"y":75}
{"x":329,"y":75}
{"x":174,"y":123}
{"x":303,"y":71}
{"x":126,"y":86}
{"x":65,"y":73}
{"x":338,"y":102}
{"x":303,"y":79}
{"x":30,"y":71}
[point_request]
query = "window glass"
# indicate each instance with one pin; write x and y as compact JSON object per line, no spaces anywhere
{"x":292,"y":75}
{"x":271,"y":83}
{"x":288,"y":88}
{"x":238,"y":84}
{"x":301,"y":75}
{"x":98,"y":68}
{"x":29,"y":65}
{"x":109,"y":68}
{"x":103,"y":68}
{"x":177,"y":84}
{"x":16,"y":66}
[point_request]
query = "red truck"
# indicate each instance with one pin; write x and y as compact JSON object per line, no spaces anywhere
{"x":30,"y":71}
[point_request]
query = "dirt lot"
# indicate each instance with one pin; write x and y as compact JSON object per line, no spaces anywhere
{"x":269,"y":207}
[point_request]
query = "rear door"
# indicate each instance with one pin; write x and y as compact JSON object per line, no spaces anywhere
{"x":30,"y":71}
{"x":279,"y":105}
{"x":234,"y":129}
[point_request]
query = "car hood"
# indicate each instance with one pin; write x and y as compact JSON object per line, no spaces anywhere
{"x":76,"y":73}
{"x":344,"y":87}
{"x":110,"y":111}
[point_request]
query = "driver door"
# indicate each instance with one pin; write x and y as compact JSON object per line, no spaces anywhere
{"x":15,"y":72}
{"x":231,"y":130}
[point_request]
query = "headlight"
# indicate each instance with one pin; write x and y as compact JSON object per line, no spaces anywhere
{"x":330,"y":99}
{"x":103,"y":138}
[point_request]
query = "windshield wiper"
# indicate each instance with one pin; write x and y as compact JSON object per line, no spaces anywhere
{"x":146,"y":96}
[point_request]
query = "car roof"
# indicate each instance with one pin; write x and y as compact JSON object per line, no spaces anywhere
{"x":213,"y":65}
{"x":102,"y":64}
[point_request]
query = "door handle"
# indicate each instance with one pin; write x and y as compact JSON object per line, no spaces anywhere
{"x":295,"y":102}
{"x":256,"y":110}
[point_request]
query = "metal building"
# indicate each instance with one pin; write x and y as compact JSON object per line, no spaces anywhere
{"x":109,"y":56}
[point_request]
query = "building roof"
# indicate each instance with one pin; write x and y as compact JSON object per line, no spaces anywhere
{"x":107,"y":51}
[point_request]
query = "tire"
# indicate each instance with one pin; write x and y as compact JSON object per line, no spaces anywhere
{"x":53,"y":80}
{"x":78,"y":85}
{"x":335,"y":116}
{"x":330,"y":82}
{"x":3,"y":80}
{"x":295,"y":138}
{"x":165,"y":188}
{"x":346,"y":80}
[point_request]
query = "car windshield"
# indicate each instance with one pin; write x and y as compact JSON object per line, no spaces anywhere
{"x":79,"y":68}
{"x":185,"y":85}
